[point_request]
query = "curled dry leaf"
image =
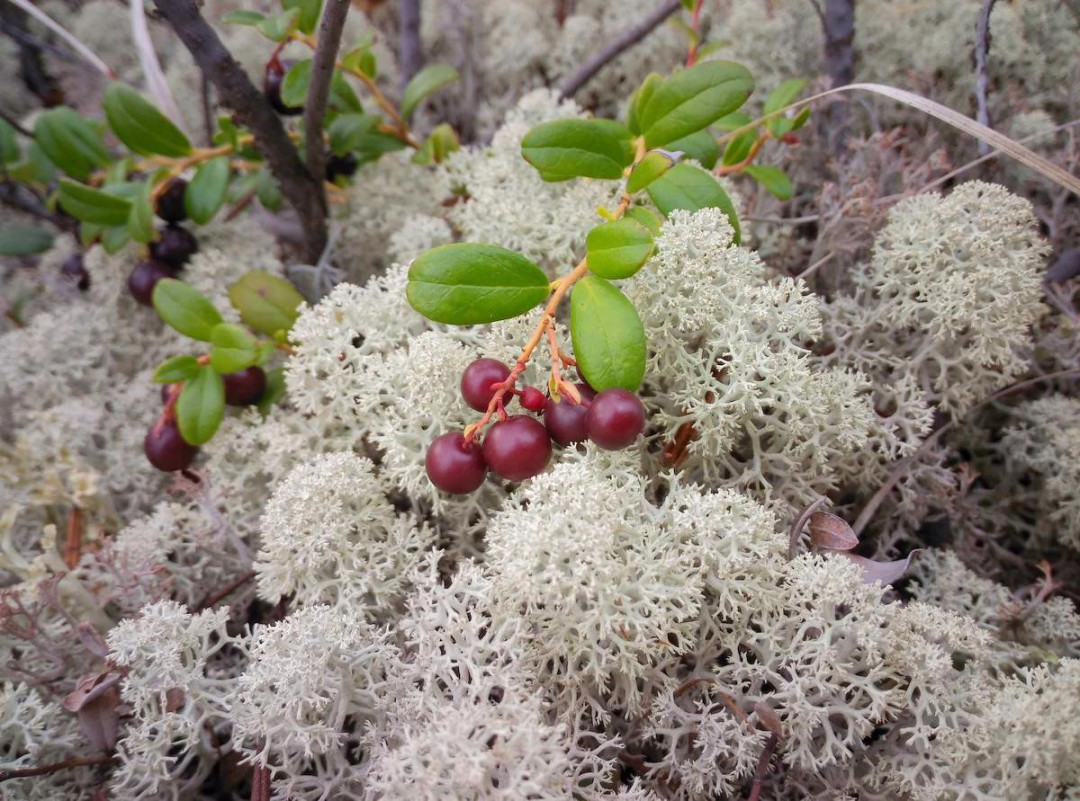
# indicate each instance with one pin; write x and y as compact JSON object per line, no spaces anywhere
{"x":831,"y":532}
{"x":885,"y":572}
{"x":95,"y":700}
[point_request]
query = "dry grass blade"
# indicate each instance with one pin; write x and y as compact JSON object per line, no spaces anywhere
{"x":945,"y":114}
{"x":151,"y":67}
{"x":56,"y":28}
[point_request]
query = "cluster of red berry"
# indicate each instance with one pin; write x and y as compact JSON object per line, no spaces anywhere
{"x":518,"y":446}
{"x":170,"y":251}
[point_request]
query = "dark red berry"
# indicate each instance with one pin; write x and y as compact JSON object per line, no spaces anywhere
{"x":533,"y":399}
{"x":166,"y":449}
{"x":244,"y":387}
{"x":75,"y":272}
{"x":170,"y":203}
{"x":517,"y":447}
{"x":615,"y":418}
{"x":565,"y":420}
{"x":340,"y":166}
{"x":144,"y":277}
{"x":454,"y":466}
{"x":477,"y":381}
{"x":174,"y":246}
{"x":275,"y":74}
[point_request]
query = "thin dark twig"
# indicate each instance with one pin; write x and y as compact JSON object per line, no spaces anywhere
{"x":322,"y":70}
{"x":235,"y":90}
{"x":616,"y":46}
{"x":14,"y":123}
{"x":21,"y":197}
{"x":410,"y":52}
{"x":214,"y":598}
{"x":42,"y":770}
{"x":982,"y":51}
{"x":762,"y":767}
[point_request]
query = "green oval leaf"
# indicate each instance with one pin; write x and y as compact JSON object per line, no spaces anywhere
{"x":772,"y":178}
{"x":9,"y":145}
{"x":645,"y":217}
{"x":565,"y":149}
{"x":277,"y":27}
{"x":639,"y":99}
{"x":70,"y":142}
{"x":206,"y":191}
{"x":242,"y":17}
{"x":783,"y":95}
{"x":617,"y":249}
{"x":347,"y":130}
{"x":113,"y":239}
{"x":693,"y":98}
{"x":651,"y":167}
{"x":268,"y":304}
{"x":309,"y":13}
{"x":690,"y":188}
{"x":176,"y":368}
{"x":700,"y":146}
{"x":140,"y":126}
{"x":184,"y":308}
{"x":92,"y":205}
{"x":429,"y":80}
{"x":466,"y":284}
{"x":294,"y":85}
{"x":23,"y":240}
{"x":201,"y":406}
{"x":141,"y":219}
{"x":608,"y":338}
{"x":233,"y":348}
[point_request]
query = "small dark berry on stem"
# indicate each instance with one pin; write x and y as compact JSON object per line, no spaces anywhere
{"x":340,"y":166}
{"x":565,"y":420}
{"x":275,"y":74}
{"x":615,"y":418}
{"x":170,"y":203}
{"x":533,"y":399}
{"x":174,"y":247}
{"x":144,"y":277}
{"x":517,"y":448}
{"x":166,"y":449}
{"x":478,"y":380}
{"x":244,"y":387}
{"x":75,"y":272}
{"x":454,"y":465}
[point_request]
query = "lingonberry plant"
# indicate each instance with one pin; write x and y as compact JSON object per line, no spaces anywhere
{"x":465,"y":284}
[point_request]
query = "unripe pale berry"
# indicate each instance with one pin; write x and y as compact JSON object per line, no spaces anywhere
{"x":454,"y":465}
{"x":615,"y":418}
{"x":244,"y":387}
{"x":166,"y":449}
{"x":533,"y":399}
{"x":477,"y":381}
{"x":565,"y":420}
{"x":517,"y":448}
{"x":144,"y":277}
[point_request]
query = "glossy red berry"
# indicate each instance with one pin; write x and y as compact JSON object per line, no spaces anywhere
{"x":174,"y":246}
{"x":565,"y":420}
{"x":170,"y":203}
{"x":533,"y":399}
{"x":517,"y":447}
{"x":274,"y":75}
{"x":615,"y":418}
{"x":74,"y":271}
{"x":477,"y":381}
{"x":244,"y":387}
{"x":454,"y":466}
{"x":144,"y":277}
{"x":166,"y":449}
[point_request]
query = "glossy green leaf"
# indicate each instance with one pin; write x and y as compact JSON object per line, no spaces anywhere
{"x":617,"y":249}
{"x":360,"y":59}
{"x":294,"y":85}
{"x":201,"y":406}
{"x":274,"y":391}
{"x":700,"y":146}
{"x":277,"y":27}
{"x":309,"y":13}
{"x":608,"y":338}
{"x":233,"y":348}
{"x":342,"y":95}
{"x":264,"y":350}
{"x":23,"y":240}
{"x":572,"y":148}
{"x":242,"y":17}
{"x":690,"y":188}
{"x":141,"y":219}
{"x":693,"y":98}
{"x":645,"y":217}
{"x":140,"y":126}
{"x":176,"y":368}
{"x":373,"y":144}
{"x":114,"y":238}
{"x":651,"y":167}
{"x":639,"y":99}
{"x":92,"y":205}
{"x":267,"y":303}
{"x":348,"y":130}
{"x":772,"y":178}
{"x":442,"y":141}
{"x":466,"y":284}
{"x":783,"y":95}
{"x":184,"y":308}
{"x":739,"y":148}
{"x":9,"y":146}
{"x":206,"y":191}
{"x":266,"y":190}
{"x":429,"y":80}
{"x":88,"y":233}
{"x":70,"y":142}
